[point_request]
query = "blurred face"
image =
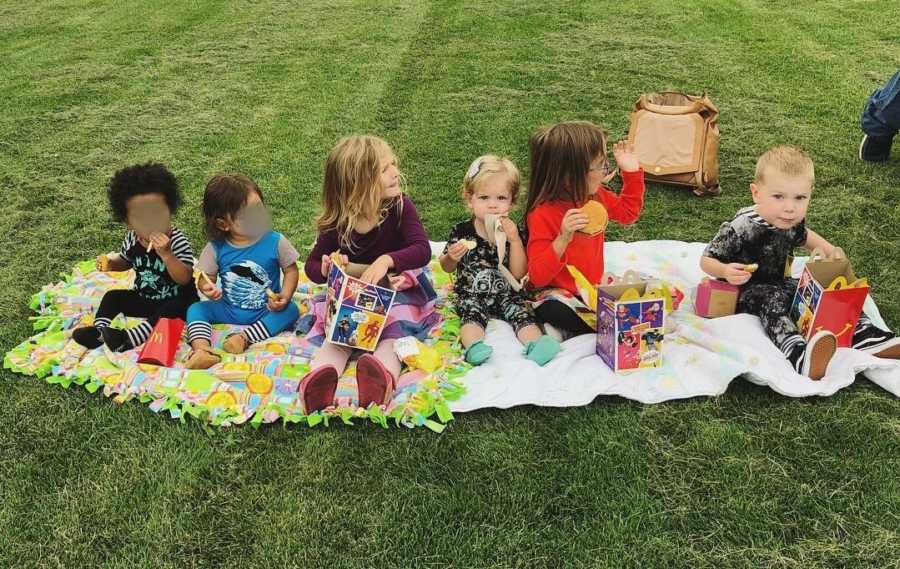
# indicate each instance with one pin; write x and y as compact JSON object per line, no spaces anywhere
{"x":390,"y":176}
{"x":147,"y":214}
{"x":251,"y":221}
{"x":782,"y":200}
{"x":491,"y":196}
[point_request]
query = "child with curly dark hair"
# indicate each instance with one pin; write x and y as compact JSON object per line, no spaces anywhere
{"x":144,"y":197}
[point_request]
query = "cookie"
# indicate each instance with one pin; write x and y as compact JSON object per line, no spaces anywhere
{"x":597,"y":217}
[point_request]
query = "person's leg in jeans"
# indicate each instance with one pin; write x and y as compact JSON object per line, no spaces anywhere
{"x":880,"y":121}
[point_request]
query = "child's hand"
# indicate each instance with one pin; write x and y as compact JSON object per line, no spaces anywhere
{"x":277,"y":302}
{"x":626,"y":159}
{"x":509,"y":227}
{"x":377,"y":270}
{"x":161,"y":243}
{"x":209,"y":291}
{"x":574,"y":220}
{"x":735,"y":273}
{"x":457,"y":251}
{"x":402,"y":281}
{"x":326,"y":263}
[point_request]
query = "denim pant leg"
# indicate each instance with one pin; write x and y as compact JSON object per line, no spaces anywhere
{"x":881,"y":116}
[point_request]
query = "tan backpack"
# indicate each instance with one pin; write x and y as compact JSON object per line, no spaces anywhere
{"x":676,"y":139}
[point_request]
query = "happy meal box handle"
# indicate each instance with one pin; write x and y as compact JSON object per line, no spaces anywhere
{"x":631,"y":277}
{"x":608,"y":279}
{"x":837,"y":254}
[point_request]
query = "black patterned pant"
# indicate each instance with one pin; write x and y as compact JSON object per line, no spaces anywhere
{"x":479,"y":308}
{"x":771,"y":302}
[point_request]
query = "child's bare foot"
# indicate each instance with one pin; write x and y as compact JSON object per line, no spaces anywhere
{"x":374,"y":381}
{"x":318,"y":387}
{"x":202,"y":358}
{"x":235,"y":344}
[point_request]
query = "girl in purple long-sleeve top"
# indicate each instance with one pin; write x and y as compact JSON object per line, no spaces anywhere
{"x":368,"y":220}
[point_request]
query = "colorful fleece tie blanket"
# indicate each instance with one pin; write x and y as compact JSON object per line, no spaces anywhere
{"x":259,"y":386}
{"x":700,"y":356}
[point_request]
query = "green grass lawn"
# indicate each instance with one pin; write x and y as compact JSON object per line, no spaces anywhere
{"x":748,"y":479}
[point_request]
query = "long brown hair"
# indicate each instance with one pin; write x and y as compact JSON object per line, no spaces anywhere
{"x":352,"y":187}
{"x":561,"y":156}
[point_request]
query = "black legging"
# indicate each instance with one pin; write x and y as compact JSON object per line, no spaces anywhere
{"x":131,"y":303}
{"x":560,"y":316}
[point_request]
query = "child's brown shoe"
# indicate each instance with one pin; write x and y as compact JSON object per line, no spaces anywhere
{"x":202,"y":358}
{"x":819,"y":350}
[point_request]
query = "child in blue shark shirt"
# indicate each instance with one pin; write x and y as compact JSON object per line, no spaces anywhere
{"x":249,"y":259}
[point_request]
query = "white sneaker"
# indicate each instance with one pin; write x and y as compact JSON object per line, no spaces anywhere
{"x":819,"y":350}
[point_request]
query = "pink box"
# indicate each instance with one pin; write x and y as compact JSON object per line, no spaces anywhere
{"x":714,"y":298}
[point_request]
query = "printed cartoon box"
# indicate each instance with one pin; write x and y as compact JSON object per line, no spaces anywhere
{"x":356,"y":311}
{"x":829,"y":297}
{"x":630,"y":324}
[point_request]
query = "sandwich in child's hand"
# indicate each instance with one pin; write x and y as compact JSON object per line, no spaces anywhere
{"x":751,"y":267}
{"x":597,"y":217}
{"x":469,"y":243}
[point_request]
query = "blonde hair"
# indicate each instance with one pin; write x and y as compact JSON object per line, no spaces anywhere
{"x":561,"y":156}
{"x":486,"y":167}
{"x":786,"y":159}
{"x":352,"y":189}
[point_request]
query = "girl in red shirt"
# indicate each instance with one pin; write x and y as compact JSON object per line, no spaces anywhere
{"x":569,"y":167}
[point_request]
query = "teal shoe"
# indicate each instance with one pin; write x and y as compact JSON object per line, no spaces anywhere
{"x":542,"y":350}
{"x":478,"y":353}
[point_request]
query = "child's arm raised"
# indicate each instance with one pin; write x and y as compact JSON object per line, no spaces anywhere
{"x":450,"y":260}
{"x":176,"y":253}
{"x":518,"y":261}
{"x":548,"y":238}
{"x":625,"y":207}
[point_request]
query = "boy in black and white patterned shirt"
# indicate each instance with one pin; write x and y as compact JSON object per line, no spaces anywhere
{"x":766,"y":234}
{"x":145,"y":197}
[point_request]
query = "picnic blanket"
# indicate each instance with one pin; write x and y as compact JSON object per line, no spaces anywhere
{"x":258,"y":387}
{"x":700,"y":356}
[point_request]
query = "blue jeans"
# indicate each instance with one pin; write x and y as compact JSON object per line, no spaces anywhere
{"x":881,"y":117}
